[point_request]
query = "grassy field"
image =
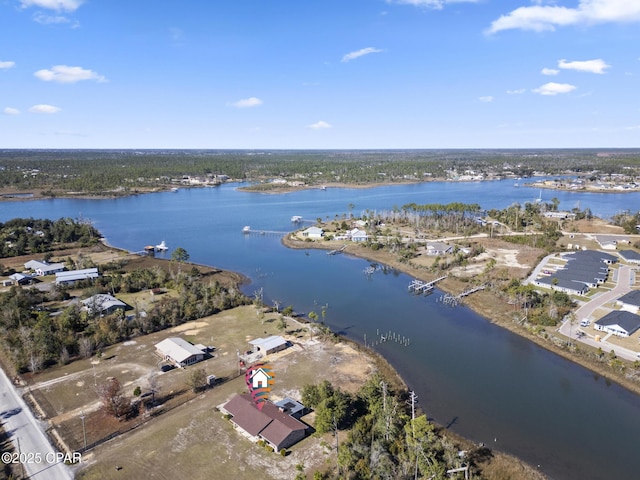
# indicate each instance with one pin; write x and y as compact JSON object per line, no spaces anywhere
{"x":194,"y":438}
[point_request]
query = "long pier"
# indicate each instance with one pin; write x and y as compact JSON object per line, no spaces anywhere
{"x":454,"y":300}
{"x":418,"y":286}
{"x":249,"y":231}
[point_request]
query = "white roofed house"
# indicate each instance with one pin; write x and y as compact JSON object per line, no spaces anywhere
{"x":358,"y":235}
{"x":73,"y":276}
{"x":43,"y":268}
{"x":179,"y":352}
{"x":313,"y":232}
{"x":438,"y":248}
{"x":103,"y":304}
{"x":272,"y":344}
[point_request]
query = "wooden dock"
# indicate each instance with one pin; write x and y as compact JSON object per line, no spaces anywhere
{"x":418,"y":286}
{"x":337,"y":251}
{"x":251,"y":231}
{"x":454,"y":300}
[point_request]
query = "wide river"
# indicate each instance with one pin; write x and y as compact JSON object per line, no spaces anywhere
{"x":479,"y":380}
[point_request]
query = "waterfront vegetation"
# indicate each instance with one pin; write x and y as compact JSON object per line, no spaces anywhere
{"x":42,"y":327}
{"x":383,"y":439}
{"x":123,"y":172}
{"x":476,"y":261}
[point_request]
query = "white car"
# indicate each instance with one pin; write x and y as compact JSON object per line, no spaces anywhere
{"x":585,"y":323}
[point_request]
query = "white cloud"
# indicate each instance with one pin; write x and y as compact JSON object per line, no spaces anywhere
{"x":592,"y":66}
{"x":320,"y":125}
{"x":247,"y":103}
{"x":435,"y":4}
{"x":67,"y":74}
{"x":11,"y":111}
{"x":553,"y":88}
{"x":7,"y":65}
{"x":45,"y":19}
{"x":41,"y":108}
{"x":549,"y":71}
{"x":519,"y":91}
{"x":486,"y":99}
{"x":360,"y":53}
{"x":588,"y":12}
{"x":57,"y":5}
{"x":635,"y":127}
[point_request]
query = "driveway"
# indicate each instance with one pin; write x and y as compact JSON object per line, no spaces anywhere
{"x":40,"y":459}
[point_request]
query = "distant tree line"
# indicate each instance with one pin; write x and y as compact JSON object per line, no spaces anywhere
{"x":116,"y":172}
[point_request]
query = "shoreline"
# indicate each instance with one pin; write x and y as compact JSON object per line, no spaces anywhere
{"x":447,"y":287}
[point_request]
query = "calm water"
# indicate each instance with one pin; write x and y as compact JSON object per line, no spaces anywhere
{"x":484,"y":382}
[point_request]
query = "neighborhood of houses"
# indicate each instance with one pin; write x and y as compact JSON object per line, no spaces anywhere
{"x":583,"y":271}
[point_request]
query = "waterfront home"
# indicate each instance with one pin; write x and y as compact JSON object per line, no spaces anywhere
{"x":179,"y":352}
{"x":268,"y":423}
{"x":438,"y":248}
{"x":630,"y":302}
{"x":313,"y":233}
{"x":272,"y":344}
{"x":357,"y":235}
{"x":618,"y":322}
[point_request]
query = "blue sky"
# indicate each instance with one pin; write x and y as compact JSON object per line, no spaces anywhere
{"x":319,"y":74}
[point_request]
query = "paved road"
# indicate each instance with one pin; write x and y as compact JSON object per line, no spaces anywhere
{"x":623,"y":285}
{"x":41,"y":461}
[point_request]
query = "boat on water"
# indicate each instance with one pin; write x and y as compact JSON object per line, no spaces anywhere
{"x":296,"y":219}
{"x":162,"y":247}
{"x":174,"y":189}
{"x":246,"y":229}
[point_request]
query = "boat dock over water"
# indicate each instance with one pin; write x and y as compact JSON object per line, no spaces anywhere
{"x":418,"y":286}
{"x":248,"y":230}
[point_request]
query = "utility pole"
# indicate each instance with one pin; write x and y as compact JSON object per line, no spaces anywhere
{"x":84,"y":431}
{"x":413,"y":398}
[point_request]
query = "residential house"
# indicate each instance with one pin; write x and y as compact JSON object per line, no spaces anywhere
{"x":268,"y":423}
{"x":103,"y":304}
{"x":43,"y":268}
{"x":438,"y":248}
{"x":630,"y":302}
{"x":272,"y":344}
{"x":630,"y":256}
{"x":21,"y":278}
{"x":618,"y":322}
{"x":179,"y":352}
{"x":357,"y":235}
{"x":585,"y":268}
{"x":313,"y":233}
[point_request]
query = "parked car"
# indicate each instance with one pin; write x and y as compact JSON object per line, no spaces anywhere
{"x":585,"y":323}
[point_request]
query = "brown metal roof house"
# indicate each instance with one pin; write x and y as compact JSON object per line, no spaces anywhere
{"x":270,"y":424}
